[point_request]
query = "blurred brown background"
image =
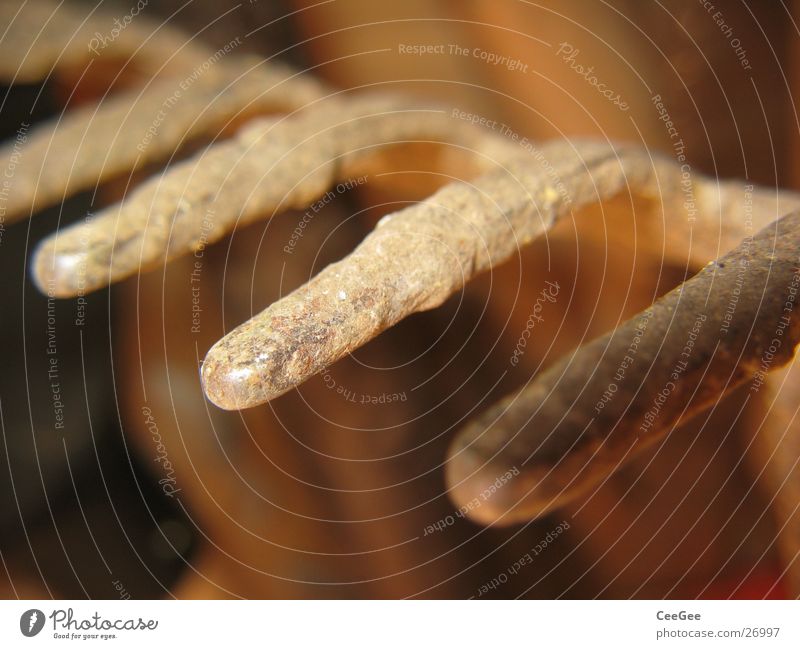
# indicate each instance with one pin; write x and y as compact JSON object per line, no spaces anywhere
{"x":316,"y":496}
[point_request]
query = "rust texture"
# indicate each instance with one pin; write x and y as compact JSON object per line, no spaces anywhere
{"x":416,"y":259}
{"x":584,"y":416}
{"x":66,"y":155}
{"x":556,"y":438}
{"x":273,"y":164}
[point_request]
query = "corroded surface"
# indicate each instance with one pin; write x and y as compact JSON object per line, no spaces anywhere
{"x":416,"y":259}
{"x":552,"y":437}
{"x":272,"y":165}
{"x":580,"y":419}
{"x":68,"y":154}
